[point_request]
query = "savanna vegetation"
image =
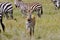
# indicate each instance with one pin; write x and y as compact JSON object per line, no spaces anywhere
{"x":47,"y":27}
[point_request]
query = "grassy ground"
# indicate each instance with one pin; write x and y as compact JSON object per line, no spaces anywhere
{"x":47,"y":27}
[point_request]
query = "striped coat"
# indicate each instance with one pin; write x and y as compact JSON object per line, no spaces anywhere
{"x":7,"y":8}
{"x":29,"y":7}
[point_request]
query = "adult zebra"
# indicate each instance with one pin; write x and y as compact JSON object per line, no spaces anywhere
{"x":26,"y":7}
{"x":7,"y":8}
{"x":1,"y":16}
{"x":56,"y":3}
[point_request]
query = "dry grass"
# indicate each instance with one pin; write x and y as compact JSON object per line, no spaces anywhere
{"x":47,"y":27}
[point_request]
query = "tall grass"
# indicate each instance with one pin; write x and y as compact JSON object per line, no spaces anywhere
{"x":47,"y":27}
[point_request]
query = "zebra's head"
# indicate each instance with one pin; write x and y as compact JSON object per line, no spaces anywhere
{"x":30,"y":18}
{"x":16,"y":2}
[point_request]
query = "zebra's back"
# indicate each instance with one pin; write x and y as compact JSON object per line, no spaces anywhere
{"x":6,"y":6}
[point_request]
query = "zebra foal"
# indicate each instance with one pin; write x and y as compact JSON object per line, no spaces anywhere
{"x":25,"y":7}
{"x":30,"y":24}
{"x":7,"y":9}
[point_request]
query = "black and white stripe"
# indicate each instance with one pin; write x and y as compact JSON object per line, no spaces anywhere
{"x":7,"y":8}
{"x":29,"y":7}
{"x":56,"y":3}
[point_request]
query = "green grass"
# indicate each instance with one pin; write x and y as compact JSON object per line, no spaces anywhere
{"x":47,"y":27}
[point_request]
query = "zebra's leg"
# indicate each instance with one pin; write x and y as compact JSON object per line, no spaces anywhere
{"x":33,"y":30}
{"x":3,"y":27}
{"x":39,"y":14}
{"x":11,"y":14}
{"x":58,"y":7}
{"x":7,"y":16}
{"x":30,"y":31}
{"x":23,"y":13}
